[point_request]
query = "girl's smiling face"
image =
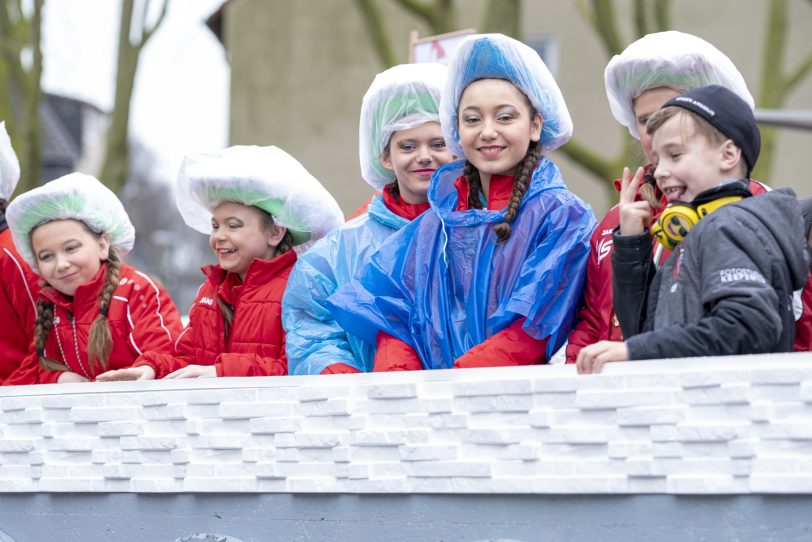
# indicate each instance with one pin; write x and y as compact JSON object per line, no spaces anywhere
{"x":240,"y":234}
{"x":414,"y":155}
{"x":68,"y":254}
{"x":496,"y":126}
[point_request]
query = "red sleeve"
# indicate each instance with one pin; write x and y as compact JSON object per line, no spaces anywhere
{"x":233,"y":364}
{"x":18,"y":292}
{"x":394,"y":355}
{"x":155,"y":319}
{"x":338,"y":369}
{"x":31,"y":372}
{"x":803,"y":327}
{"x":596,"y":313}
{"x":182,"y":353}
{"x":511,"y":346}
{"x":164,"y":363}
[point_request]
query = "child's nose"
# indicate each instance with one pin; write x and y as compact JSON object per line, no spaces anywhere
{"x":488,"y":129}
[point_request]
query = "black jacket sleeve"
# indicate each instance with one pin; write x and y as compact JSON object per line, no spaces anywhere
{"x":632,"y":275}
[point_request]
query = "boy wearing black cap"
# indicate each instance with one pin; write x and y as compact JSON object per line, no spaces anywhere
{"x":727,"y":287}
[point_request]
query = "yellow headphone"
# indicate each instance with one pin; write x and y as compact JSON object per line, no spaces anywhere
{"x":678,"y":218}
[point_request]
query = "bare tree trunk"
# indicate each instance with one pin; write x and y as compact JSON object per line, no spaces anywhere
{"x":776,"y":84}
{"x":116,"y":158}
{"x":20,"y":93}
{"x":503,"y":16}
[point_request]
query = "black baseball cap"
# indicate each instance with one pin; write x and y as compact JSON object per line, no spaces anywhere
{"x":726,"y":112}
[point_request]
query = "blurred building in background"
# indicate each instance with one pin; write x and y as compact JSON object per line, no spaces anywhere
{"x":299,"y":71}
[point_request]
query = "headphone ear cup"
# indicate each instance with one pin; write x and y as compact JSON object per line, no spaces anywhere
{"x":674,"y":223}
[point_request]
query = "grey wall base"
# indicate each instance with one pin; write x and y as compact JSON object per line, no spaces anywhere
{"x":37,"y":517}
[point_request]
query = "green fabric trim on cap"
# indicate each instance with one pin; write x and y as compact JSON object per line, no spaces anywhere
{"x":247,"y":196}
{"x":400,"y":107}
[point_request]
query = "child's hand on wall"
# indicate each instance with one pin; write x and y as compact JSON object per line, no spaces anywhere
{"x":592,"y":358}
{"x":142,"y":372}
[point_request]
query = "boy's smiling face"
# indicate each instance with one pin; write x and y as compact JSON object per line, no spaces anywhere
{"x":687,"y":163}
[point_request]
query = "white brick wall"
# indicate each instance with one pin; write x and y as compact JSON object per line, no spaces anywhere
{"x":699,"y":426}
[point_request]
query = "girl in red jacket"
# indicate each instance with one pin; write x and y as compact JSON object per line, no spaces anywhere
{"x":18,"y":284}
{"x":94,"y":312}
{"x":256,"y":204}
{"x":649,"y":72}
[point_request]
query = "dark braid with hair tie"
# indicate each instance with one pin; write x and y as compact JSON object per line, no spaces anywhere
{"x":520,"y":185}
{"x":42,"y":328}
{"x":100,"y":340}
{"x":474,"y":185}
{"x":228,"y":318}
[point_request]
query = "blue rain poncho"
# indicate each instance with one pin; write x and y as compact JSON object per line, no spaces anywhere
{"x":314,"y":339}
{"x":443,"y":284}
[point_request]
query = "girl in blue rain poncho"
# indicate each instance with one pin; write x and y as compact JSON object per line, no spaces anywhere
{"x":401,"y":146}
{"x":492,"y":274}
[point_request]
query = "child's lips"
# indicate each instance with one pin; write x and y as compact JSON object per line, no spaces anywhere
{"x":423,"y":172}
{"x":69,"y":277}
{"x":673,"y":193}
{"x":490,"y":151}
{"x":226,"y":252}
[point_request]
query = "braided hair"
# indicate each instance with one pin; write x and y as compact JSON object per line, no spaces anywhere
{"x":520,"y":185}
{"x":100,"y":341}
{"x":42,"y":328}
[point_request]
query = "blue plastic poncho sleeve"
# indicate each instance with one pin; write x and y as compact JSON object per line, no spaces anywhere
{"x":552,"y":278}
{"x":387,"y":306}
{"x":313,"y":338}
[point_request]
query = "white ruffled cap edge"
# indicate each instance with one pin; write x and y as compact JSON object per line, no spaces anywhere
{"x":667,"y":59}
{"x":533,"y":78}
{"x":387,"y":93}
{"x":265,"y":177}
{"x":75,"y":196}
{"x":9,"y":165}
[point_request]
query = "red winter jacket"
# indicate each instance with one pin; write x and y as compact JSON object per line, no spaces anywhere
{"x":511,"y":346}
{"x":141,"y":317}
{"x":596,"y":319}
{"x":19,"y":288}
{"x":256,"y":340}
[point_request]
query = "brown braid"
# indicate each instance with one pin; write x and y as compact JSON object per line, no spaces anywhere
{"x":474,"y":185}
{"x":100,"y":340}
{"x":3,"y":205}
{"x":42,"y":328}
{"x":228,"y":317}
{"x":520,"y":185}
{"x":649,"y":194}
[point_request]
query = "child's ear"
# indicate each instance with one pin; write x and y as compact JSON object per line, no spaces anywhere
{"x":104,"y":246}
{"x":731,"y":156}
{"x":275,"y":234}
{"x":386,"y":160}
{"x":535,"y":128}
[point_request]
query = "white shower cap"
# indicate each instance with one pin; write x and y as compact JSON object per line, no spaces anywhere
{"x":667,"y":59}
{"x":495,"y":56}
{"x":75,"y":196}
{"x":9,"y":165}
{"x":264,"y":177}
{"x":399,"y":98}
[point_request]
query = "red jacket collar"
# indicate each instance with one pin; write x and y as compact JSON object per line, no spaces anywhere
{"x":260,"y":272}
{"x":499,"y":192}
{"x":400,"y":207}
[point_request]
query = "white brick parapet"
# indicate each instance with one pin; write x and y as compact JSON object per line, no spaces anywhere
{"x":694,"y":426}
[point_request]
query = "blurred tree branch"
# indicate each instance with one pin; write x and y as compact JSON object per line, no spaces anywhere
{"x":131,"y":42}
{"x":20,"y":75}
